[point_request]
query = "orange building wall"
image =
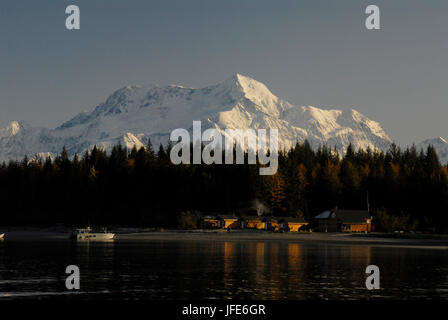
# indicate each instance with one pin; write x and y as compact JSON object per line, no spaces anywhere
{"x":211,"y":223}
{"x":231,"y":223}
{"x":275,"y":226}
{"x":255,"y":224}
{"x":362,"y":227}
{"x":295,"y":226}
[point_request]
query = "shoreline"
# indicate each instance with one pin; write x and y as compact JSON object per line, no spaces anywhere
{"x":422,"y":241}
{"x":320,"y":238}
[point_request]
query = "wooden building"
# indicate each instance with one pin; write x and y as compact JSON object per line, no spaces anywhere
{"x":254,"y":222}
{"x":211,"y":222}
{"x":296,"y":224}
{"x":287,"y":224}
{"x":344,"y":221}
{"x":220,"y":222}
{"x":230,"y":221}
{"x":272,"y":223}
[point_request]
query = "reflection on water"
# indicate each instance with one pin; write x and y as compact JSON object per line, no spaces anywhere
{"x":219,"y":270}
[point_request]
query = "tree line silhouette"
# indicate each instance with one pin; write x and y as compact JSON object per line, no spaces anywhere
{"x":141,"y":187}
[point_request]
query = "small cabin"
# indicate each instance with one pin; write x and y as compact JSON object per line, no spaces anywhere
{"x":287,"y":224}
{"x":211,"y":222}
{"x":220,"y":222}
{"x":230,"y":221}
{"x":254,"y":222}
{"x":344,"y":221}
{"x":296,"y":224}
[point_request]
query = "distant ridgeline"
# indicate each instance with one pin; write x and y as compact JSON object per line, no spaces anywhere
{"x":408,"y":189}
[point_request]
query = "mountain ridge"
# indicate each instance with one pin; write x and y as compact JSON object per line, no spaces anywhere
{"x":133,"y":114}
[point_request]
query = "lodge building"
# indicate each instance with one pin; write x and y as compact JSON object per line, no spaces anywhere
{"x":337,"y":220}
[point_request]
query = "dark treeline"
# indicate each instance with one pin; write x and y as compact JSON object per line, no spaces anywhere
{"x":143,"y":188}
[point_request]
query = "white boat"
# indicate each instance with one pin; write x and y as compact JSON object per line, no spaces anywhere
{"x":87,"y":234}
{"x":2,"y":236}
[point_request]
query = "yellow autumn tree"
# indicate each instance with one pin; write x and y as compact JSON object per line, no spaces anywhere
{"x":277,"y":193}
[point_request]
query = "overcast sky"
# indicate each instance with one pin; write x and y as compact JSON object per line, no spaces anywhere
{"x":312,"y":52}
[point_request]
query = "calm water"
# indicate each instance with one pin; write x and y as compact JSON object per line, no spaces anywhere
{"x":219,"y":270}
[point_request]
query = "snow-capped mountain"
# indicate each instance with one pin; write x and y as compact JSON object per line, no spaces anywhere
{"x":19,"y":139}
{"x":133,"y":114}
{"x":441,"y":146}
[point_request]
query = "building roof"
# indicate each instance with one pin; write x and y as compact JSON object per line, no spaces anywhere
{"x":298,"y":220}
{"x":354,"y":216}
{"x":208,"y":214}
{"x":288,"y":219}
{"x":253,"y":218}
{"x":359,"y":216}
{"x":323,"y":215}
{"x":227,"y":216}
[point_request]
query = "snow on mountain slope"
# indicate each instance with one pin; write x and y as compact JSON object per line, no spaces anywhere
{"x":19,"y":139}
{"x":441,"y":146}
{"x":133,"y":114}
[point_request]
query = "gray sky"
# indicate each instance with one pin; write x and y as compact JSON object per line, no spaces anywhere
{"x":311,"y":52}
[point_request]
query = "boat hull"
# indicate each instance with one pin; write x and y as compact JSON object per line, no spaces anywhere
{"x":95,"y":236}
